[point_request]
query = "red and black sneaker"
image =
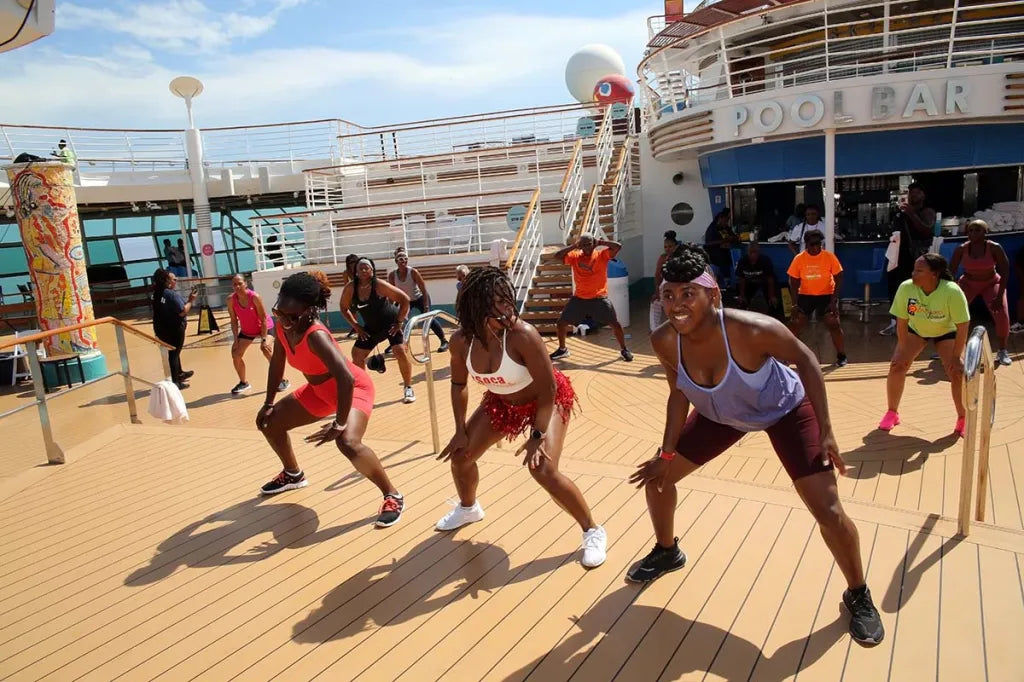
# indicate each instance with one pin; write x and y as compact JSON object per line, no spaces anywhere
{"x":284,"y":481}
{"x":390,"y":510}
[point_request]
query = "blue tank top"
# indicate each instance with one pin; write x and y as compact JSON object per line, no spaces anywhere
{"x":746,"y":401}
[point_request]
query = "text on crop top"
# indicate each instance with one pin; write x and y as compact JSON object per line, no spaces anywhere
{"x":510,"y":377}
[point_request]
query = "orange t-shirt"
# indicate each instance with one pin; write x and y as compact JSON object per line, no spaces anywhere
{"x":590,"y":273}
{"x":816,"y":273}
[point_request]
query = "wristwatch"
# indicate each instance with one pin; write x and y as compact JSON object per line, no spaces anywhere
{"x":536,"y":434}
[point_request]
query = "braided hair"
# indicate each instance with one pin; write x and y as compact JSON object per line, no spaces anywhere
{"x":161,"y":278}
{"x":687,"y":263}
{"x":938,"y":265}
{"x":480,"y":290}
{"x":309,"y":288}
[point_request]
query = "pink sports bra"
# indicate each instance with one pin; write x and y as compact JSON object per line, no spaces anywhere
{"x":511,"y":377}
{"x":986,"y":265}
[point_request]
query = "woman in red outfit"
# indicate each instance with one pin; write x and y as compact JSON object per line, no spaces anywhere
{"x":335,"y":387}
{"x":986,"y":274}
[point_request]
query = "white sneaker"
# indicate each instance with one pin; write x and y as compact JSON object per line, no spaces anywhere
{"x":283,"y":386}
{"x":595,"y":546}
{"x":1003,"y":358}
{"x":1017,"y":328}
{"x":460,"y":516}
{"x":890,"y":330}
{"x":408,"y":396}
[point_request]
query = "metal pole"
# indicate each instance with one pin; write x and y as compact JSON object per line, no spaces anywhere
{"x":184,"y":241}
{"x":166,"y":361}
{"x":725,"y":61}
{"x":54,"y":455}
{"x":952,"y":34}
{"x":830,"y":189}
{"x":885,"y":37}
{"x":428,"y":368}
{"x":126,"y":372}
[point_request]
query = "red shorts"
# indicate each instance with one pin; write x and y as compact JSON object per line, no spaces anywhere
{"x":321,"y":400}
{"x":796,"y":439}
{"x":513,"y":420}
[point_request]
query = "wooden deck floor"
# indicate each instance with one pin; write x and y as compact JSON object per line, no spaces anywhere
{"x":149,"y":556}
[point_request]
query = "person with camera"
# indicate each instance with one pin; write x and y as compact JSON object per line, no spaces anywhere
{"x":915,"y":223}
{"x":170,"y":311}
{"x":384,"y":309}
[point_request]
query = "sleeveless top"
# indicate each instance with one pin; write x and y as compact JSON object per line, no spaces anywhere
{"x":303,"y":358}
{"x":408,"y":285}
{"x":984,"y":266}
{"x":378,"y":312}
{"x":746,"y":401}
{"x":248,"y":320}
{"x":511,"y":377}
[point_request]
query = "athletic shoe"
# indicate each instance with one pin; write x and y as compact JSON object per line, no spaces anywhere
{"x":660,"y":561}
{"x":283,"y":386}
{"x":387,"y":351}
{"x":626,"y":355}
{"x":890,"y":420}
{"x":181,"y":384}
{"x":560,"y":353}
{"x":240,"y":387}
{"x":1003,"y":357}
{"x":841,"y":360}
{"x":1017,"y":328}
{"x":443,"y":348}
{"x":460,"y":516}
{"x":391,"y":510}
{"x":595,"y":547}
{"x":408,"y":396}
{"x":284,"y":481}
{"x":185,"y":376}
{"x":960,"y":427}
{"x":865,"y":623}
{"x":890,"y":330}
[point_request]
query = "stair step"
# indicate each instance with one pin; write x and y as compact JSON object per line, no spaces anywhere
{"x":546,"y":328}
{"x":546,"y":302}
{"x":554,"y":268}
{"x":550,"y":291}
{"x":542,"y":315}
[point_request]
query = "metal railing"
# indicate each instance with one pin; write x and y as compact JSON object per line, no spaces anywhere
{"x":572,"y":188}
{"x":979,"y":397}
{"x":422,"y":321}
{"x":525,"y":254}
{"x":54,"y":453}
{"x":822,"y":44}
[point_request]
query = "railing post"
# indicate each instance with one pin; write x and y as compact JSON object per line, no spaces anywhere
{"x":54,"y":455}
{"x":952,"y":34}
{"x":985,"y":437}
{"x":970,"y":391}
{"x":428,"y":369}
{"x":126,"y":372}
{"x":165,"y":360}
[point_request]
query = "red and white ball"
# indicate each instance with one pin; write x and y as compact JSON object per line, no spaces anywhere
{"x":613,"y":88}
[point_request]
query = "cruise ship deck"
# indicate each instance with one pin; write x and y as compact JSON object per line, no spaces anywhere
{"x":150,"y":555}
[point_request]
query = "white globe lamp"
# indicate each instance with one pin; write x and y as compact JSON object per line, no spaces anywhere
{"x":587,"y":66}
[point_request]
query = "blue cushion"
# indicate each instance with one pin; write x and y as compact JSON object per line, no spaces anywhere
{"x":869,"y":276}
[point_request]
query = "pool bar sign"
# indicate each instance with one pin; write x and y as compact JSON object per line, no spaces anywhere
{"x":884,"y":103}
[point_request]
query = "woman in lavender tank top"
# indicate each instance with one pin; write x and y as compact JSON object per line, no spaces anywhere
{"x":733,"y":368}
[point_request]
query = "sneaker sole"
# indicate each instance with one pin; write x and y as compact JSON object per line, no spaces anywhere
{"x":868,"y":640}
{"x":595,"y":565}
{"x":381,"y":524}
{"x":671,"y":570}
{"x":449,"y":530}
{"x":286,"y":486}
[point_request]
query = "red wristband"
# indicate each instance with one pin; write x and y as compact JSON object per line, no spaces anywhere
{"x":668,"y":456}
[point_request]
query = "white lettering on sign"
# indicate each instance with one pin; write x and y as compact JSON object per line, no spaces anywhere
{"x":776,"y":118}
{"x":739,"y":117}
{"x":920,"y":99}
{"x":883,"y":99}
{"x":956,"y":96}
{"x":816,"y":105}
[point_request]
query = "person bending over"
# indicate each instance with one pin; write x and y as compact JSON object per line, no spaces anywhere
{"x":986,"y":274}
{"x":249,"y":321}
{"x":413,"y":285}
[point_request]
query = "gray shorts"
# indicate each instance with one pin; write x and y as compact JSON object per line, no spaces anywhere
{"x":600,"y":310}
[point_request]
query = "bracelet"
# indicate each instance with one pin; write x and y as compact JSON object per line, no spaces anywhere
{"x":337,"y":427}
{"x":666,"y":455}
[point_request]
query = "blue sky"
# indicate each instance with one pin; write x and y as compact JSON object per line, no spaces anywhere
{"x":373,"y":62}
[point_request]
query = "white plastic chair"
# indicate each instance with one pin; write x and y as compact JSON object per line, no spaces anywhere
{"x":416,"y":233}
{"x":462,"y":234}
{"x":396,"y":233}
{"x":444,"y":230}
{"x":21,"y":352}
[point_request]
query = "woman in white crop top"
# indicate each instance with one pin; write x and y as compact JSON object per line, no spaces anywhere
{"x":496,"y":350}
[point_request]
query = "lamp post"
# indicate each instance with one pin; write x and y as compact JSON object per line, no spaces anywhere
{"x":187,"y":88}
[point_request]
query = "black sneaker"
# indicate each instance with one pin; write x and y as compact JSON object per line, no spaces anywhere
{"x":241,"y":387}
{"x":626,"y":355}
{"x":390,"y":511}
{"x":284,"y":481}
{"x":182,"y":385}
{"x":841,"y":360}
{"x":387,"y":351}
{"x":865,"y":623}
{"x":559,"y":354}
{"x":187,"y":375}
{"x":661,"y":560}
{"x":443,"y":347}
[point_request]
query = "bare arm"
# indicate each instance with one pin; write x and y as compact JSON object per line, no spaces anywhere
{"x":346,"y":304}
{"x":562,"y":253}
{"x":275,"y":372}
{"x":834,"y":303}
{"x":613,"y":247}
{"x":960,"y":342}
{"x":396,"y":296}
{"x":1002,"y":267}
{"x":262,"y":313}
{"x":902,"y":330}
{"x":529,"y":343}
{"x":324,"y":347}
{"x":234,"y":318}
{"x":664,"y":343}
{"x":794,"y":287}
{"x":459,"y":375}
{"x":422,"y":284}
{"x":954,"y":263}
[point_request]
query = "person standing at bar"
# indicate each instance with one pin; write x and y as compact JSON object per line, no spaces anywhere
{"x":815,"y":280}
{"x":811,"y":221}
{"x":718,"y":242}
{"x":916,"y":225}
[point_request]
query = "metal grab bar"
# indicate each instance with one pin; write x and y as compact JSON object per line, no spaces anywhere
{"x":423,"y":321}
{"x":977,"y":357}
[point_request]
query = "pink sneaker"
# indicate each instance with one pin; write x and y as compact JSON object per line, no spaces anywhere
{"x":890,"y":420}
{"x":960,"y":426}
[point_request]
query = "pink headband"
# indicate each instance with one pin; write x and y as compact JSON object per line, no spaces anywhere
{"x":706,"y":280}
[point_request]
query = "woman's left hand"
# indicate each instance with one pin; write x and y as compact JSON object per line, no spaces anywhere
{"x":831,"y":451}
{"x":266,"y":350}
{"x":327,"y":432}
{"x":536,"y":452}
{"x":396,"y":329}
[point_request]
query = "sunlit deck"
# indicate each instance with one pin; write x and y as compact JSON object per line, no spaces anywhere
{"x":148,"y":554}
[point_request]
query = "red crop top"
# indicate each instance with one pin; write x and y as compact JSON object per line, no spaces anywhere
{"x":304,"y":359}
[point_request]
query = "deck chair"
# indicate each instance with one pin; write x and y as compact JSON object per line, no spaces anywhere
{"x":19,"y":352}
{"x":396,"y":234}
{"x":462,"y":234}
{"x":444,"y":230}
{"x":416,"y":233}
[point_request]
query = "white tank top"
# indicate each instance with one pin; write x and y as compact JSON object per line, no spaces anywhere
{"x":510,"y":378}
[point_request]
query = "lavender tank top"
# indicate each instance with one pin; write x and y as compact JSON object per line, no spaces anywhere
{"x":746,"y":401}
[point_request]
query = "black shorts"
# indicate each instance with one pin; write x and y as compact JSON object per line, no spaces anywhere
{"x":376,"y":336}
{"x":809,"y":305}
{"x":600,"y":310}
{"x":934,"y":339}
{"x":243,"y":335}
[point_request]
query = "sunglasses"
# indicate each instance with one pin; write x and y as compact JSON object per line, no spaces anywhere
{"x":281,"y":315}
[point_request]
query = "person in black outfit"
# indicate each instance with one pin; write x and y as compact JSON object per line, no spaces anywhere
{"x":384,"y":310}
{"x":915,"y":224}
{"x":169,"y":318}
{"x":754,"y":274}
{"x":718,"y":239}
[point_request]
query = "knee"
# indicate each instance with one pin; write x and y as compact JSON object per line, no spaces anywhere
{"x":545,"y":474}
{"x":348,"y":445}
{"x":899,"y":365}
{"x":832,"y":321}
{"x":830,"y":516}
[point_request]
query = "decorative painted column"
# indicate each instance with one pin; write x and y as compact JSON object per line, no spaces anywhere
{"x":44,"y":201}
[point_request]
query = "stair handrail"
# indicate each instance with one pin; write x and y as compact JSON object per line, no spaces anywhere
{"x":590,"y":223}
{"x":54,"y":453}
{"x":572,"y":188}
{"x":525,"y":255}
{"x":605,"y":143}
{"x":422,"y":322}
{"x":979,"y":386}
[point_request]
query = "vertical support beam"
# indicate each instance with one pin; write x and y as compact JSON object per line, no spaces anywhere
{"x":952,"y":34}
{"x":725,"y":60}
{"x":830,"y":189}
{"x":825,"y":15}
{"x":970,"y":398}
{"x":184,"y":240}
{"x":885,"y":36}
{"x":126,"y":372}
{"x":428,"y":370}
{"x":165,"y":362}
{"x":988,"y":406}
{"x":54,"y":455}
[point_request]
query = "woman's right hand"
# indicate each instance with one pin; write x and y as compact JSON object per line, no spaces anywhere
{"x":361,"y":333}
{"x":263,"y":417}
{"x":458,"y":443}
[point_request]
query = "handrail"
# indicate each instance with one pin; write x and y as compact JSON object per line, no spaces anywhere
{"x":471,"y":118}
{"x":423,"y":321}
{"x":977,"y":361}
{"x":42,"y":336}
{"x":576,"y":150}
{"x":522,"y":229}
{"x":591,"y":203}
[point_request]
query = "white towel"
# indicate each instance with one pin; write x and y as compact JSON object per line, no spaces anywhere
{"x":499,"y":252}
{"x":936,"y":245}
{"x":892,"y":252}
{"x":657,"y":315}
{"x":167,"y":404}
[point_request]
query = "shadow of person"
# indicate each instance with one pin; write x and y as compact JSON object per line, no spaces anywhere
{"x":913,"y":451}
{"x":910,"y":571}
{"x":730,"y":656}
{"x":216,"y":398}
{"x":115,"y":399}
{"x":437,"y":571}
{"x":224,"y":537}
{"x":354,"y":477}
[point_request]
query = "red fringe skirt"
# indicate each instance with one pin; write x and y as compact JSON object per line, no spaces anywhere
{"x":514,"y":420}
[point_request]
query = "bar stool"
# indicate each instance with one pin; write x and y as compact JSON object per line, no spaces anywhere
{"x":868,"y":277}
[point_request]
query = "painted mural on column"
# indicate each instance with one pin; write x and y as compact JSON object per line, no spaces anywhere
{"x":44,"y":200}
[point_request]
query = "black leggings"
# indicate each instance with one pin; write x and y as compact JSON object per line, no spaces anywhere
{"x":176,"y":339}
{"x":435,"y":325}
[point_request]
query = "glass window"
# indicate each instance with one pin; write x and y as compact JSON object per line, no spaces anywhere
{"x":10,"y":234}
{"x":218,"y":240}
{"x":134,"y":225}
{"x":98,"y":227}
{"x":143,"y":269}
{"x":246,"y":260}
{"x":224,"y":266}
{"x":167,"y":223}
{"x":137,"y":248}
{"x":102,"y":251}
{"x":9,"y":286}
{"x":12,"y":260}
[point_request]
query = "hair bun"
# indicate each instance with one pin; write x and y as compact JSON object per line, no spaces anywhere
{"x":325,"y":286}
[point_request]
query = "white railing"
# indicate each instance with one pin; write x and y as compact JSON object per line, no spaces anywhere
{"x":822,"y":44}
{"x":525,"y":254}
{"x":443,"y":225}
{"x":605,"y":145}
{"x":979,"y":398}
{"x":572,"y":189}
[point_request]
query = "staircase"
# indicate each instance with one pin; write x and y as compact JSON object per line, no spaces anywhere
{"x":549,"y":292}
